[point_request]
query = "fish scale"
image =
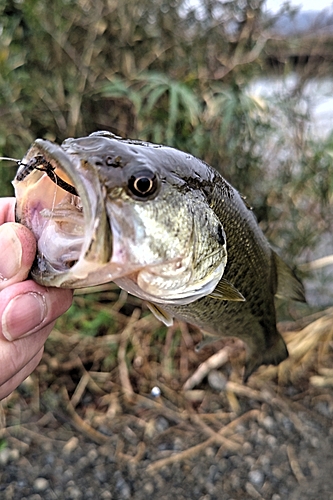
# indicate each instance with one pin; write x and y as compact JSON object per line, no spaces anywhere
{"x":250,"y":269}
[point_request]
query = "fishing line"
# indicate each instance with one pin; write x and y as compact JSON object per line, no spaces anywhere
{"x":10,"y":159}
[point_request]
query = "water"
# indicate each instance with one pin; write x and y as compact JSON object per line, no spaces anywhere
{"x":317,"y":99}
{"x":317,"y":104}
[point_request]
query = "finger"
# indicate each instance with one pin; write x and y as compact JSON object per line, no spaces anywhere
{"x":26,"y":307}
{"x":7,"y":210}
{"x":14,"y":356}
{"x":17,"y":379}
{"x":18,"y":244}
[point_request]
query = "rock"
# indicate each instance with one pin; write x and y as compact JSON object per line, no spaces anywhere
{"x":122,"y":487}
{"x":268,"y":423}
{"x":4,"y":456}
{"x":217,"y":380}
{"x":106,"y":495}
{"x":256,"y":477}
{"x":71,"y":445}
{"x":73,"y":493}
{"x":148,"y":488}
{"x":40,"y":484}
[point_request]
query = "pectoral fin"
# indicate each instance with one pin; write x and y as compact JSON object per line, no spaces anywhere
{"x":160,"y":313}
{"x":288,"y":285}
{"x":226,"y":291}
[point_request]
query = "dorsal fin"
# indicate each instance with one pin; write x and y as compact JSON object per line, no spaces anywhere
{"x":288,"y":285}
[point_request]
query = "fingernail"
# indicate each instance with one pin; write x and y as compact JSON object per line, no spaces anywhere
{"x":23,"y":314}
{"x":11,"y":253}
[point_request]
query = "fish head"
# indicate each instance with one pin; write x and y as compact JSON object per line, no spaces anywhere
{"x":103,"y":209}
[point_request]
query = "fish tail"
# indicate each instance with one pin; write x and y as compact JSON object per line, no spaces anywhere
{"x":274,"y":355}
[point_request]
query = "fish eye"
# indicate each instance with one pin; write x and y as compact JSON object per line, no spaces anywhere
{"x":143,"y":184}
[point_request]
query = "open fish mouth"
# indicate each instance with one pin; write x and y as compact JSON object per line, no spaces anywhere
{"x":103,"y":209}
{"x":59,"y":197}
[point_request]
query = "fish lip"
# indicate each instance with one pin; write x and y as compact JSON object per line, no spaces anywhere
{"x":96,"y":225}
{"x":56,"y":153}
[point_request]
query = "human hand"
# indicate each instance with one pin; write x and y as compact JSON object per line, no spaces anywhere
{"x":27,"y":310}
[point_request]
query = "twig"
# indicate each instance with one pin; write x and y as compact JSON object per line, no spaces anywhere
{"x":173,"y":415}
{"x":187,"y":338}
{"x":114,"y":338}
{"x":167,"y":358}
{"x":233,"y":402}
{"x":174,"y":397}
{"x":216,"y":416}
{"x":194,"y":450}
{"x":195,"y":395}
{"x":2,"y":417}
{"x":79,"y":389}
{"x":246,"y":391}
{"x":189,"y":453}
{"x":229,"y":428}
{"x":45,"y":419}
{"x":101,"y":377}
{"x":319,"y":381}
{"x":141,"y":449}
{"x":214,"y":362}
{"x":123,"y":370}
{"x":223,"y":441}
{"x":311,"y":413}
{"x":85,"y":380}
{"x":327,"y":372}
{"x":71,"y":445}
{"x":19,"y":444}
{"x":294,"y":465}
{"x":120,"y":302}
{"x":317,"y":264}
{"x":119,"y":448}
{"x":303,"y":429}
{"x":240,"y":59}
{"x":250,"y":489}
{"x":81,"y":425}
{"x":35,"y":400}
{"x":185,"y":343}
{"x":19,"y":430}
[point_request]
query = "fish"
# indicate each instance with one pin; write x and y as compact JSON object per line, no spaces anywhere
{"x":163,"y":225}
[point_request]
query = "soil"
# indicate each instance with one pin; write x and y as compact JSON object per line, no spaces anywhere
{"x":81,"y":429}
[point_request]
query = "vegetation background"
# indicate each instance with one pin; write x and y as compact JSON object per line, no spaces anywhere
{"x":166,"y":72}
{"x":170,"y":73}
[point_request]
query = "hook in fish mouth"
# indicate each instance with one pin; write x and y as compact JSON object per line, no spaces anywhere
{"x":38,"y":162}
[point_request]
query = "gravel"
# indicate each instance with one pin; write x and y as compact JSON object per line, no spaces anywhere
{"x":87,"y":425}
{"x":276,"y":459}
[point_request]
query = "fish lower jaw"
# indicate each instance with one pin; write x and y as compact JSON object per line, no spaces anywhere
{"x":164,"y":291}
{"x":82,"y":274}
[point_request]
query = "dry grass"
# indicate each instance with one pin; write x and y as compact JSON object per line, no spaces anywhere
{"x":104,"y":382}
{"x":310,"y":351}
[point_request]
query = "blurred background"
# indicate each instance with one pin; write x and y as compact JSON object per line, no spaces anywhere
{"x":247,"y":86}
{"x":242,"y":84}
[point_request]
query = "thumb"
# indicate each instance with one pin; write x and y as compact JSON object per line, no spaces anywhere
{"x":17,"y":253}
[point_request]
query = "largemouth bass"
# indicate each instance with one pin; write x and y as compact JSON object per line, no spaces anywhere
{"x":164,"y":226}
